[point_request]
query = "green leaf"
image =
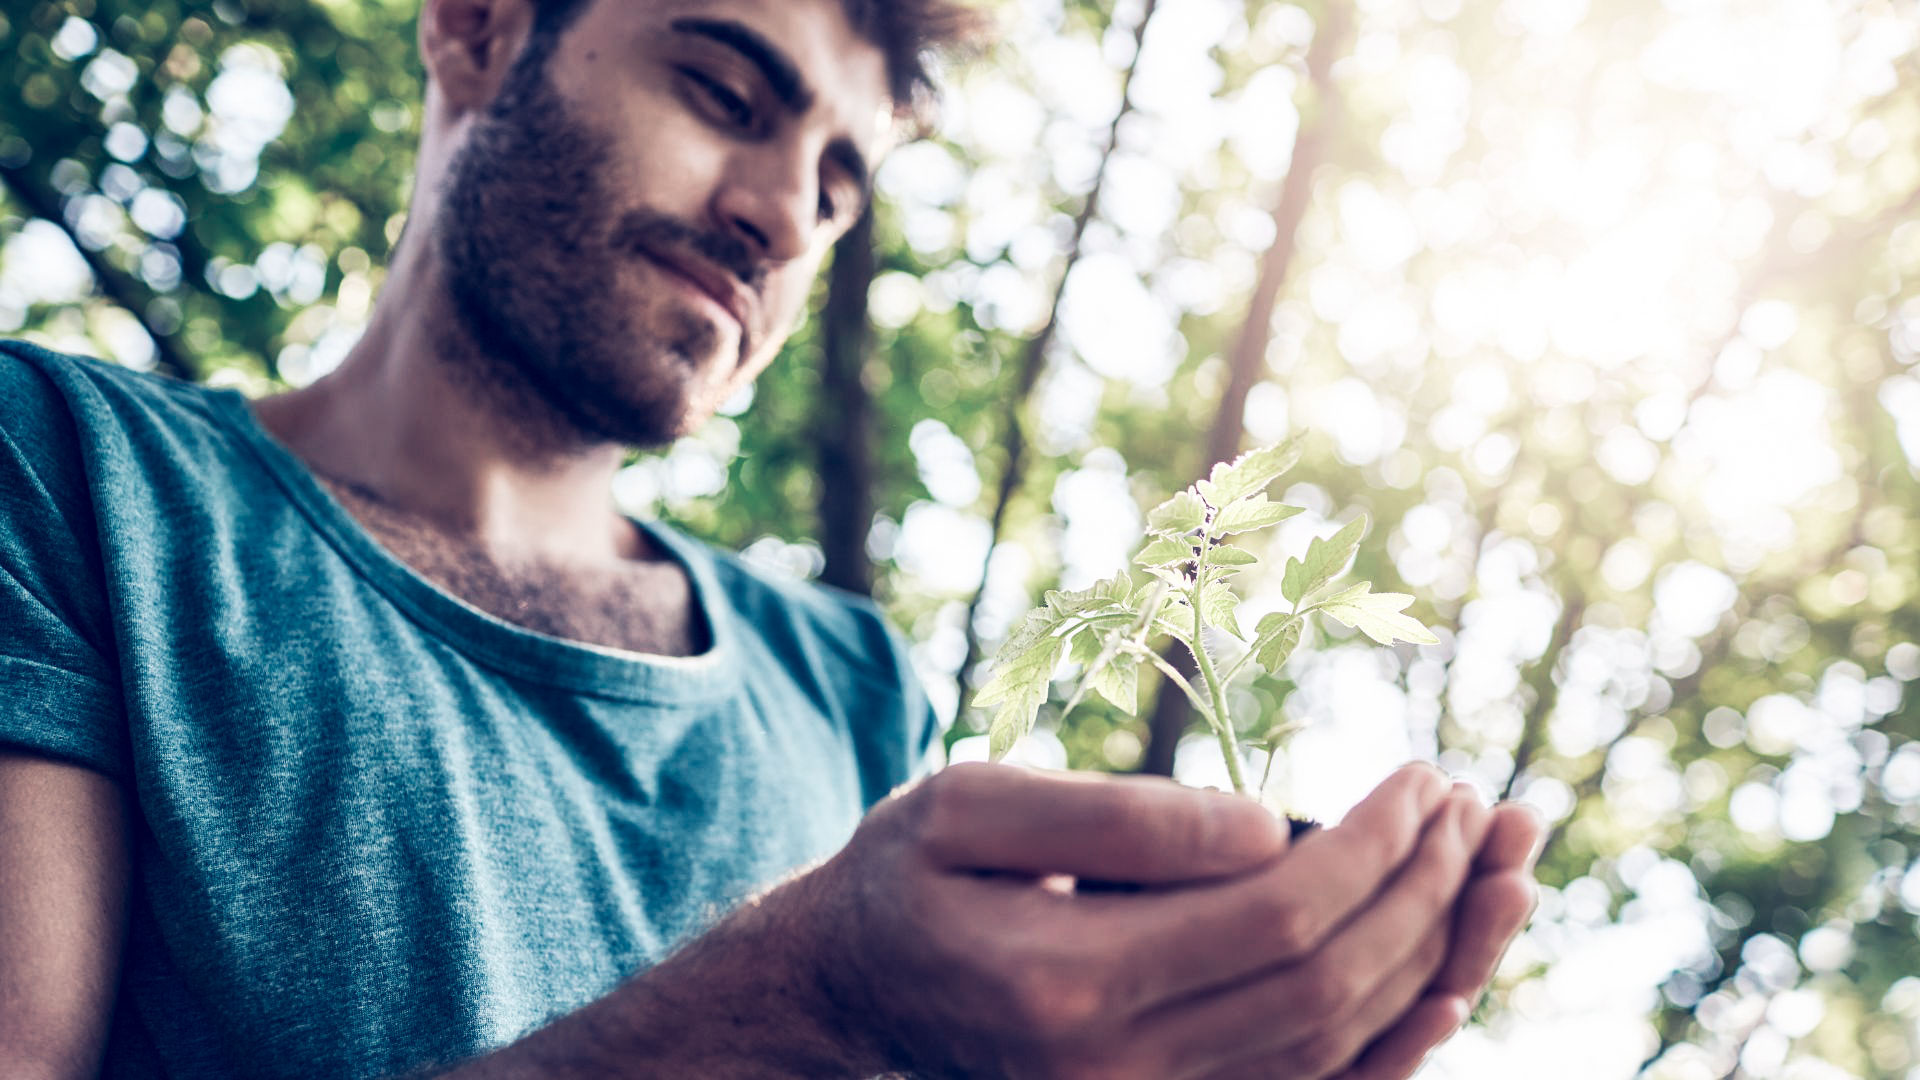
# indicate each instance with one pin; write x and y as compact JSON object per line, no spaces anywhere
{"x":1275,"y":638}
{"x":1176,"y":621}
{"x":1324,"y":562}
{"x":1022,"y":674}
{"x":1085,"y":648}
{"x":1251,"y":513}
{"x":1249,"y":473}
{"x":1118,"y":680}
{"x":1228,"y":555}
{"x":1107,"y":594}
{"x":1333,"y":593}
{"x":1179,"y":515}
{"x":1164,"y":551}
{"x":1225,"y":561}
{"x":1170,"y":575}
{"x":1217,"y":607}
{"x":1378,"y":616}
{"x":1118,"y":588}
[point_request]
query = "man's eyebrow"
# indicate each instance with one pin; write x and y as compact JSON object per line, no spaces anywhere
{"x":784,"y":78}
{"x":782,"y":75}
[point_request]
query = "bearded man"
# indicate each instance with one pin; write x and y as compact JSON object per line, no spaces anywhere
{"x":352,"y":733}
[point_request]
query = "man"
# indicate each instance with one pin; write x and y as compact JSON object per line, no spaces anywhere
{"x":350,"y":733}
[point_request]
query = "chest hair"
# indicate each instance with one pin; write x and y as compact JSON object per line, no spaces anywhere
{"x":643,"y":607}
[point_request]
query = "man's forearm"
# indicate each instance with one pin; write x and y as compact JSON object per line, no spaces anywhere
{"x":742,"y":1002}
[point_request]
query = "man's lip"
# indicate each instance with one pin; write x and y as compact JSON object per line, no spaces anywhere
{"x":710,"y":279}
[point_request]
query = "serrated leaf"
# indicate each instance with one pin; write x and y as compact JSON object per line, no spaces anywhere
{"x":1118,"y":680}
{"x":1175,"y":621}
{"x":1249,"y":473}
{"x":1022,"y":673}
{"x":1005,"y":733}
{"x":1333,"y":593}
{"x":1251,"y":513}
{"x":1217,"y":606}
{"x":1324,"y":562}
{"x":1228,"y":555}
{"x":1164,"y":551}
{"x":1179,"y":515}
{"x":1293,"y":582}
{"x":1085,"y":648}
{"x":1378,"y":615}
{"x":1173,"y":577}
{"x":1222,"y":573}
{"x":1105,"y":595}
{"x":1278,"y":636}
{"x":1036,"y":624}
{"x":1119,"y":588}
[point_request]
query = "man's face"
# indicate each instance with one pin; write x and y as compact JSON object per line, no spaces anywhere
{"x":633,"y":227}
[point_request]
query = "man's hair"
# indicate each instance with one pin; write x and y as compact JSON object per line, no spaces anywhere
{"x":911,"y":34}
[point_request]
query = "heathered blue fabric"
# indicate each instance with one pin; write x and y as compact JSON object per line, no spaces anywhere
{"x":377,"y":828}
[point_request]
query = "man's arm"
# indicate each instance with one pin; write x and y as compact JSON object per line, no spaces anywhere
{"x":939,"y":943}
{"x":64,"y":865}
{"x":936,"y":942}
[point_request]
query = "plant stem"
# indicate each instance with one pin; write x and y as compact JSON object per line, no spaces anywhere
{"x":1173,"y":676}
{"x":1222,"y":719}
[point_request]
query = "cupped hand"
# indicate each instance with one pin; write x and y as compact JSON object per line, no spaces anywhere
{"x":1494,"y":907}
{"x":959,"y":946}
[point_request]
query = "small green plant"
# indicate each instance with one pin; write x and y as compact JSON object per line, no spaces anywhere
{"x":1109,"y":629}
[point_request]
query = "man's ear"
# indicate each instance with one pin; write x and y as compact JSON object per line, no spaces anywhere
{"x":468,"y":46}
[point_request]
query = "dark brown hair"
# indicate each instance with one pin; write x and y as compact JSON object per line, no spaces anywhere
{"x":912,"y":34}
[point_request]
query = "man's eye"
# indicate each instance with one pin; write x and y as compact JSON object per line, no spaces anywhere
{"x":735,"y":107}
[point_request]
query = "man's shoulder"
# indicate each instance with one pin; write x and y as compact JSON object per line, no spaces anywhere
{"x":45,"y":385}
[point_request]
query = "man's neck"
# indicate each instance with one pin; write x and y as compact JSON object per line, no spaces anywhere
{"x":411,"y":418}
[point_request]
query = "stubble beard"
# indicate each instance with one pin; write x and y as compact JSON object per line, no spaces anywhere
{"x":551,"y":346}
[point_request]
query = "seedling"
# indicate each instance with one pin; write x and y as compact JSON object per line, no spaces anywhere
{"x":1109,"y":629}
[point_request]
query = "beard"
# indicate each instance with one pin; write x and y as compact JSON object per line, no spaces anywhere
{"x":534,"y":269}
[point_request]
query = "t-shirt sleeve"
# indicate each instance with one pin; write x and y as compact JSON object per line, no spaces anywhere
{"x":901,"y":748}
{"x":59,"y":686}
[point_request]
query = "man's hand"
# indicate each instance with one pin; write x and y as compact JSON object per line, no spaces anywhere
{"x":958,"y":949}
{"x":1494,"y":908}
{"x":947,"y":940}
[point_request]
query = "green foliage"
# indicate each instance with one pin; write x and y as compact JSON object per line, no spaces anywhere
{"x":1113,"y":623}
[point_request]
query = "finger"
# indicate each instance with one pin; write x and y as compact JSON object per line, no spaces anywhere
{"x":1333,"y":1047}
{"x":1131,"y":828}
{"x":1195,"y":939}
{"x":1514,"y":839}
{"x":1399,"y":1053}
{"x":1321,"y":1007}
{"x":1493,"y":910}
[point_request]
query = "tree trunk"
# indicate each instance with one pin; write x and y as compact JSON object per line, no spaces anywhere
{"x":1170,"y":709}
{"x":846,"y":431}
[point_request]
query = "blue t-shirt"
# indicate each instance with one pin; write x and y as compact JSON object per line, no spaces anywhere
{"x":376,"y":828}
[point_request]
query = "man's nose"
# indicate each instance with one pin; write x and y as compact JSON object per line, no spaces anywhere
{"x":772,"y":204}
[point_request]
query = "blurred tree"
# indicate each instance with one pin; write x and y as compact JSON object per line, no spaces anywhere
{"x":1608,"y":318}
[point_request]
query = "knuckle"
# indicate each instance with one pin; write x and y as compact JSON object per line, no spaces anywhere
{"x":941,"y":805}
{"x":1054,"y":1002}
{"x":1331,"y":992}
{"x":1289,"y":924}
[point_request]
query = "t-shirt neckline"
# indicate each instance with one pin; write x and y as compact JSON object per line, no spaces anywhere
{"x":562,"y":664}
